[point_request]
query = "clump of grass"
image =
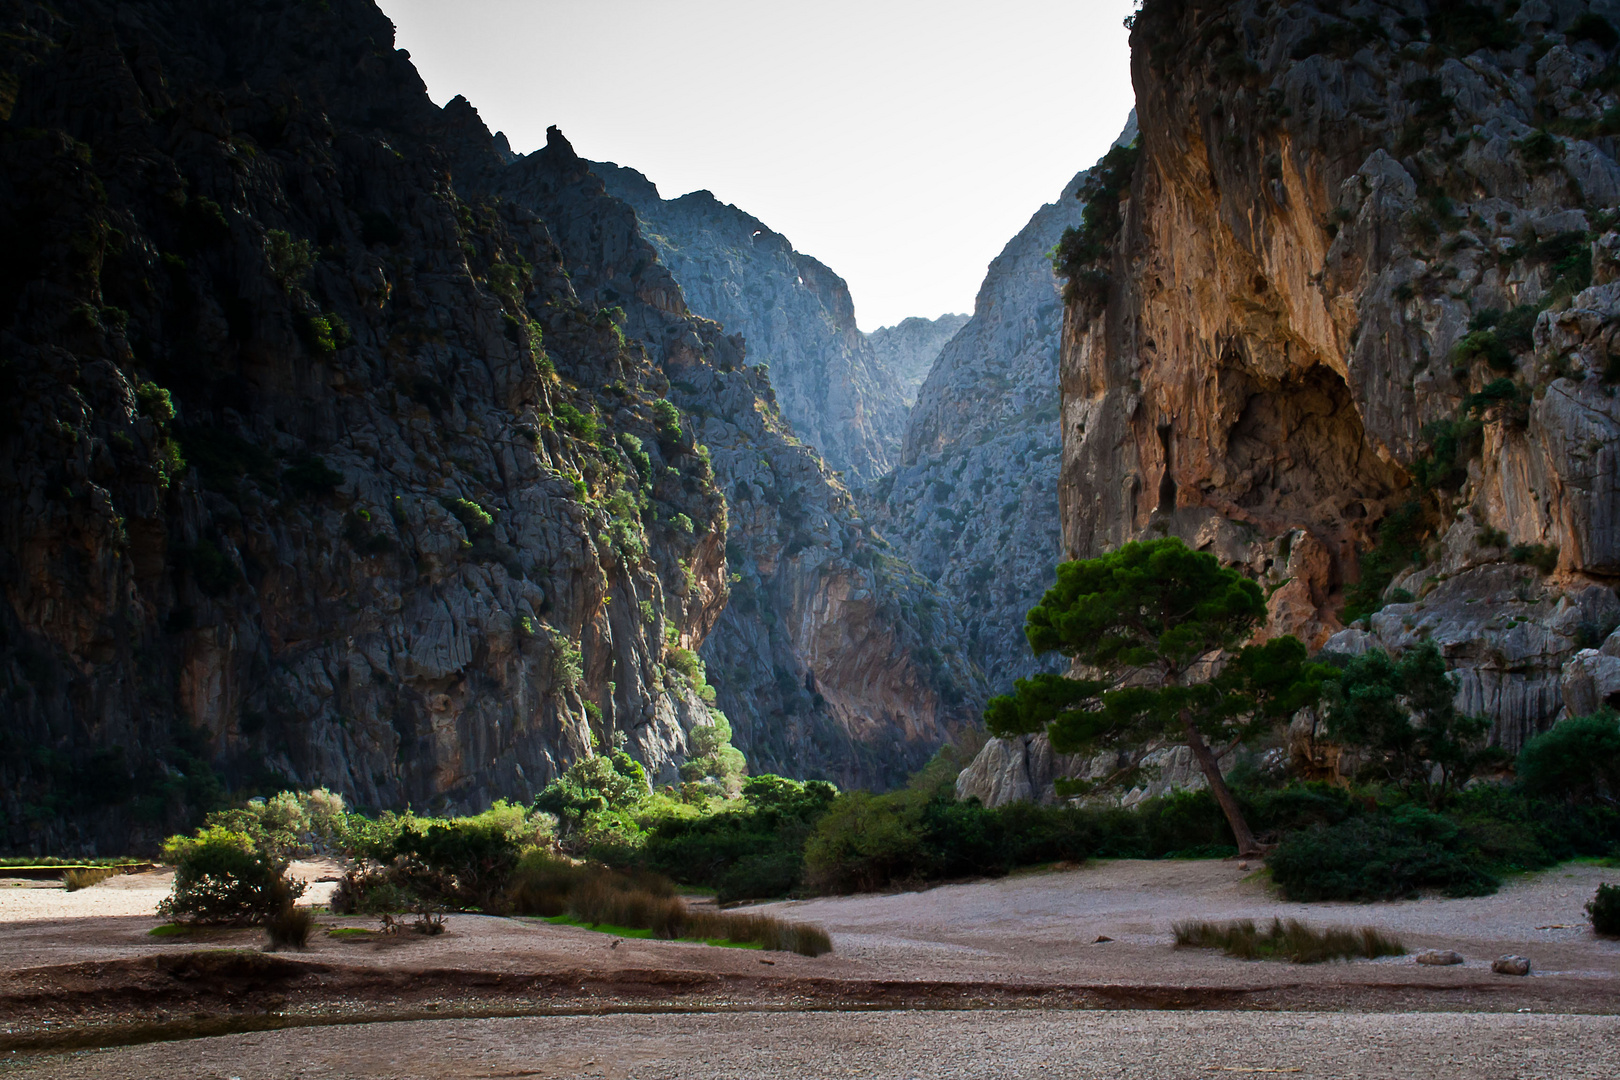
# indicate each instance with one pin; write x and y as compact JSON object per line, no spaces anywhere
{"x":597,"y":896}
{"x":290,"y":927}
{"x":1290,"y":939}
{"x":342,"y":932}
{"x":84,"y":877}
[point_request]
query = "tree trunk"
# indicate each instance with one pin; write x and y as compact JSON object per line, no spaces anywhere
{"x":1217,"y":785}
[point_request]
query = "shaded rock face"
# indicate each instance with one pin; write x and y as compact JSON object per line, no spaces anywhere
{"x":1328,"y":203}
{"x":910,"y":347}
{"x":973,"y":502}
{"x":796,"y":315}
{"x":831,"y":659}
{"x":320,"y":468}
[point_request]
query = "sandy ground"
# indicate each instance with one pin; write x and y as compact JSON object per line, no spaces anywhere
{"x":1044,"y":1044}
{"x":80,"y":970}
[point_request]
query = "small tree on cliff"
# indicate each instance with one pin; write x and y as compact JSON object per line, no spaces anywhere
{"x":1151,"y":620}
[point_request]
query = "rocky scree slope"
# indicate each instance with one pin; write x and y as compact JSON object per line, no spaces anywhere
{"x":973,"y":502}
{"x":1351,"y":329}
{"x":796,"y":315}
{"x":832,"y":659}
{"x":1348,"y":333}
{"x":910,"y":347}
{"x":318,"y":468}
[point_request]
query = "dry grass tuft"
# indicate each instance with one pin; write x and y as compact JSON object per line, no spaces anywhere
{"x":83,"y":878}
{"x":1290,"y":939}
{"x":290,"y":927}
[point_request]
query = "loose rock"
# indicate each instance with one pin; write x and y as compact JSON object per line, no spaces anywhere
{"x":1439,"y":957}
{"x":1511,"y":965}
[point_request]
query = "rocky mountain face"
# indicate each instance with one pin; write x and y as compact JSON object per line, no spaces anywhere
{"x":1354,"y":331}
{"x":832,"y":659}
{"x":329,"y":460}
{"x":910,"y":347}
{"x":973,"y":502}
{"x":796,"y":315}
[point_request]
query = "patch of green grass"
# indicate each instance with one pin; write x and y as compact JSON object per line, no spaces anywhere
{"x":172,"y":929}
{"x":350,"y":932}
{"x":632,"y":932}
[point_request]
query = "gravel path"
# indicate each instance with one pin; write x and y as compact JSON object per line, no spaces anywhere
{"x":933,"y":1045}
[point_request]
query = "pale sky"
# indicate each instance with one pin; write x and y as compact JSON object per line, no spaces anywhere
{"x":900,"y":143}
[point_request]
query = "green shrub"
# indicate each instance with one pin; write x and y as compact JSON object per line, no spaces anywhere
{"x":473,"y":517}
{"x":1577,"y":760}
{"x":464,"y":863}
{"x":290,"y":259}
{"x":1378,"y":857}
{"x":579,"y":424}
{"x":1403,"y":710}
{"x":1081,"y":252}
{"x":1543,"y":557}
{"x":1604,"y":910}
{"x":222,"y":878}
{"x":593,"y":789}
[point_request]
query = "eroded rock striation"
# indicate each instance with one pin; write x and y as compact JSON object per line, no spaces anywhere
{"x":1354,"y":330}
{"x":330,"y":460}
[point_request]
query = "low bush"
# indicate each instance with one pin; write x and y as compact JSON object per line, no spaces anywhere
{"x":1577,"y":760}
{"x":1379,"y":857}
{"x":1604,"y":910}
{"x":222,"y":878}
{"x":1291,"y":940}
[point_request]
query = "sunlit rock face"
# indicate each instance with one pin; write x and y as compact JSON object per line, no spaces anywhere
{"x":910,"y":347}
{"x":1329,"y":201}
{"x":1326,"y":203}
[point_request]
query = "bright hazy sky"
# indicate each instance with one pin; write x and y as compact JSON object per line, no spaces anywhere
{"x":900,"y":143}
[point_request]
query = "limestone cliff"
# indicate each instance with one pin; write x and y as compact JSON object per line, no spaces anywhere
{"x":796,"y":315}
{"x":327,"y":461}
{"x":973,"y":502}
{"x":910,"y":347}
{"x":1346,"y":335}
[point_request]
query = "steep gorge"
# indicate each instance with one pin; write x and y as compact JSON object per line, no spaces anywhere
{"x":338,"y":451}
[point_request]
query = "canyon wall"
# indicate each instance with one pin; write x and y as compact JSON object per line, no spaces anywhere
{"x":973,"y":501}
{"x":796,"y":315}
{"x":1354,"y":332}
{"x":833,"y":659}
{"x":329,"y":460}
{"x":910,"y":347}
